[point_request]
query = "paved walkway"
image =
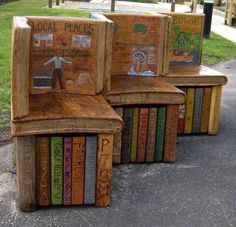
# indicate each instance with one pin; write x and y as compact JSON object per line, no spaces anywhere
{"x":121,"y":6}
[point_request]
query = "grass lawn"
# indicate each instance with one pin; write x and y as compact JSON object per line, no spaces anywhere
{"x":215,"y":49}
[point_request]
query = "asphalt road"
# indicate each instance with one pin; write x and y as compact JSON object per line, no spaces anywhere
{"x":198,"y":190}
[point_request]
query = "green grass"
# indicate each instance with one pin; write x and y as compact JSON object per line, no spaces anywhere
{"x":20,"y":8}
{"x":217,"y":49}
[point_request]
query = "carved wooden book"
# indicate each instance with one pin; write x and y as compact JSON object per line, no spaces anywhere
{"x":43,"y":171}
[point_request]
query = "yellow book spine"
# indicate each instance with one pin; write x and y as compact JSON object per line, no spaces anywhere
{"x":189,"y":111}
{"x":215,"y":110}
{"x":134,"y":135}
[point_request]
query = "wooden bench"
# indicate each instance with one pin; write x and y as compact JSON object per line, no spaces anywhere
{"x":57,"y":78}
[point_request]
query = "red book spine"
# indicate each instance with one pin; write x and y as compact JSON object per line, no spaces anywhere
{"x":142,"y":134}
{"x":67,"y":170}
{"x":181,"y":119}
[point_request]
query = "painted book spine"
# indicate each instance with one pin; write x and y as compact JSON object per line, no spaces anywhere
{"x":160,"y":134}
{"x":67,"y":170}
{"x":171,"y":133}
{"x":104,"y":170}
{"x":90,"y":169}
{"x":189,"y":111}
{"x":56,"y":170}
{"x":215,"y":110}
{"x":134,"y":135}
{"x":78,"y":152}
{"x":197,"y":110}
{"x":142,"y":134}
{"x":117,"y":141}
{"x":205,"y":110}
{"x":182,"y":110}
{"x":43,"y":171}
{"x":126,"y":135}
{"x":151,"y":137}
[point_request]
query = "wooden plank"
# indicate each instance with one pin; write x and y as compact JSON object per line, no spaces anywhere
{"x":188,"y":124}
{"x":215,"y":110}
{"x":108,"y":48}
{"x":104,"y":170}
{"x":171,"y":133}
{"x":116,"y":157}
{"x":195,"y":76}
{"x":19,"y":69}
{"x":139,"y":90}
{"x":26,"y":172}
{"x":63,"y":113}
{"x":137,"y":44}
{"x":65,"y":54}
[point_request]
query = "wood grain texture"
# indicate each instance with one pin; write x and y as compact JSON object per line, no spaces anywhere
{"x":215,"y":110}
{"x":187,"y":38}
{"x":104,"y":170}
{"x":195,"y":76}
{"x":142,"y":134}
{"x":108,"y":48}
{"x":66,"y":113}
{"x":26,"y":172}
{"x":171,"y":133}
{"x":139,"y":90}
{"x":151,"y":134}
{"x":43,"y":171}
{"x":19,"y":68}
{"x":78,"y":163}
{"x":133,"y":34}
{"x":116,"y":157}
{"x":79,"y":43}
{"x":205,"y":109}
{"x":188,"y":124}
{"x":134,"y":137}
{"x":197,"y":111}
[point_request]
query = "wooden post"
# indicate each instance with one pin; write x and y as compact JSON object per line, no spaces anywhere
{"x":57,"y":2}
{"x":20,"y":67}
{"x":113,"y":5}
{"x":26,"y":172}
{"x":173,"y":6}
{"x":49,"y":3}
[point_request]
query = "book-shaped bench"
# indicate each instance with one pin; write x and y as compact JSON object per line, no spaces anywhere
{"x":149,"y":108}
{"x":203,"y":88}
{"x":62,"y":127}
{"x":147,"y":104}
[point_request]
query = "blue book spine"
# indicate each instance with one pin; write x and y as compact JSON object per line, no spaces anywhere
{"x":126,"y":135}
{"x":197,"y":111}
{"x":90,"y":169}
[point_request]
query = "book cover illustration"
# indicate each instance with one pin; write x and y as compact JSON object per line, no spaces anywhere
{"x":63,"y":57}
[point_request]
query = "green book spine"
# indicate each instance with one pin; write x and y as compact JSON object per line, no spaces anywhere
{"x":160,"y":135}
{"x":134,"y":135}
{"x":56,"y":170}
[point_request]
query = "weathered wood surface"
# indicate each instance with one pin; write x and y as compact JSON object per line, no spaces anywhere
{"x":108,"y":48}
{"x":214,"y":118}
{"x":195,"y":76}
{"x":66,"y":113}
{"x":104,"y":170}
{"x":127,"y":90}
{"x":19,"y":68}
{"x":186,"y":38}
{"x":78,"y":43}
{"x":26,"y":172}
{"x":138,"y":42}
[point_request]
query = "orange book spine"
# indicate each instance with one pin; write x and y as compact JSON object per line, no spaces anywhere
{"x":78,"y":153}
